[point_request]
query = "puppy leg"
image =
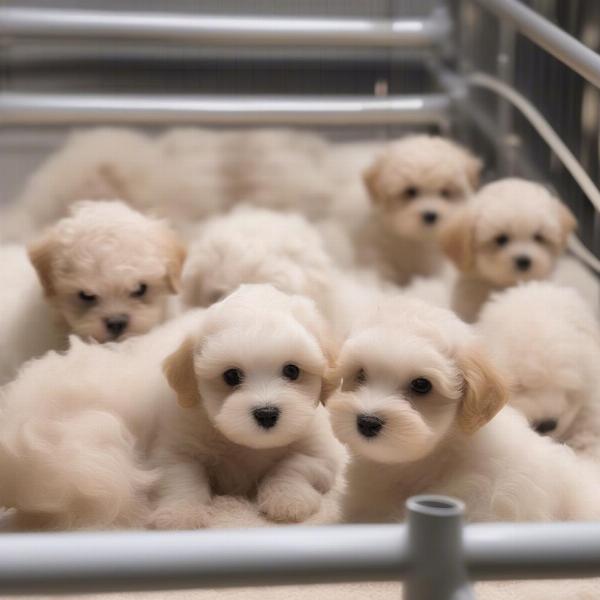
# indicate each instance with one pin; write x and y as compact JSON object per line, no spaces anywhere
{"x":292,"y":491}
{"x":184,"y":496}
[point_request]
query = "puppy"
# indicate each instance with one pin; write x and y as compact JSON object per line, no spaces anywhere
{"x":420,"y":409}
{"x":253,"y":245}
{"x":76,"y":429}
{"x":414,"y":185}
{"x":106,"y":273}
{"x":247,"y":420}
{"x":512,"y":231}
{"x":92,"y":164}
{"x":547,"y":342}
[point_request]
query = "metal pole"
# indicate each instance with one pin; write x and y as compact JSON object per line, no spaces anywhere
{"x":221,"y":30}
{"x":66,"y":109}
{"x":550,"y":37}
{"x":436,"y":544}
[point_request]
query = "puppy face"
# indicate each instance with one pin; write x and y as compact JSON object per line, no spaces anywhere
{"x":403,"y":392}
{"x":418,"y":182}
{"x":108,"y":270}
{"x":513,"y":231}
{"x":258,"y":368}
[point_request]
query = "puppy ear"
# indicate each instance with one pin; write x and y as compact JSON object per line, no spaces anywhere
{"x":473,"y":167}
{"x":371,"y":181}
{"x":568,"y":222}
{"x":485,"y":391}
{"x":456,"y":238}
{"x":176,"y":253}
{"x":179,"y":371}
{"x":40,"y":254}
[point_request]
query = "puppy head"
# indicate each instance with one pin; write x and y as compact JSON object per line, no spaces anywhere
{"x":513,"y":230}
{"x":418,"y":182}
{"x":259,"y":367}
{"x":252,"y":245}
{"x":547,"y":342}
{"x":408,"y":382}
{"x":108,"y":270}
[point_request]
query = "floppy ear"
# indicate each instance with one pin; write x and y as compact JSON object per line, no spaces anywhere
{"x":175,"y":253}
{"x":456,"y":238}
{"x":568,"y":222}
{"x":179,"y":371}
{"x":485,"y":391}
{"x":40,"y":254}
{"x":473,"y":168}
{"x":371,"y":181}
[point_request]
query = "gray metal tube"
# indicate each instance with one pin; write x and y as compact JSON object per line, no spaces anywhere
{"x":436,"y":547}
{"x":66,"y":109}
{"x":208,"y":29}
{"x":550,"y":37}
{"x":101,"y":562}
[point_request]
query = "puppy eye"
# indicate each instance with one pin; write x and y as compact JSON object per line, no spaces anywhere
{"x":361,"y":377}
{"x":410,"y":192}
{"x":139,"y":291}
{"x":539,"y":238}
{"x":420,"y":385}
{"x":233,"y":377}
{"x":291,"y":372}
{"x":87,"y":298}
{"x":501,"y":240}
{"x":446,"y":193}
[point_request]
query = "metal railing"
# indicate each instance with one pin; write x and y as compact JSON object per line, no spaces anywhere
{"x":432,"y":553}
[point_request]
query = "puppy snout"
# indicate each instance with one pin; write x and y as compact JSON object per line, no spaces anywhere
{"x":429,"y":217}
{"x":266,"y":416}
{"x":116,"y":324}
{"x":369,"y":425}
{"x":522,"y":262}
{"x":546,"y":426}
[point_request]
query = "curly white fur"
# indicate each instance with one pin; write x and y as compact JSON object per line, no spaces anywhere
{"x":252,"y":245}
{"x":420,"y":409}
{"x":547,"y":341}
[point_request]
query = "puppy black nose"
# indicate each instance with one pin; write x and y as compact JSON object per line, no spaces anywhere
{"x":266,"y":416}
{"x":522,"y":263}
{"x":546,"y":426}
{"x":369,"y":425}
{"x":429,"y":218}
{"x":116,"y":324}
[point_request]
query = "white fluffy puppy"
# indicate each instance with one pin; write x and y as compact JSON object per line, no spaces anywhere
{"x":75,"y":429}
{"x":93,"y":164}
{"x":247,"y":419}
{"x":547,"y":341}
{"x":253,"y":245}
{"x":420,"y":410}
{"x":106,"y":273}
{"x":414,"y":185}
{"x":513,"y":230}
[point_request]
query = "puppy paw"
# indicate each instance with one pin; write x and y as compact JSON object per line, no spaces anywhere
{"x":288,"y":502}
{"x":179,"y":515}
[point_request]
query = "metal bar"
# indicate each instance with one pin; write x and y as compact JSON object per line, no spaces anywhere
{"x":550,"y":37}
{"x":208,"y":29}
{"x":63,"y":109}
{"x":127,"y":561}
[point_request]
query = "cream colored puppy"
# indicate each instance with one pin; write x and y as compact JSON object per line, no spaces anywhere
{"x":253,"y":245}
{"x":91,"y":164}
{"x":106,"y":273}
{"x":247,"y":419}
{"x":512,"y":231}
{"x":547,"y":341}
{"x":76,"y":429}
{"x":420,"y":409}
{"x":415,"y":184}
